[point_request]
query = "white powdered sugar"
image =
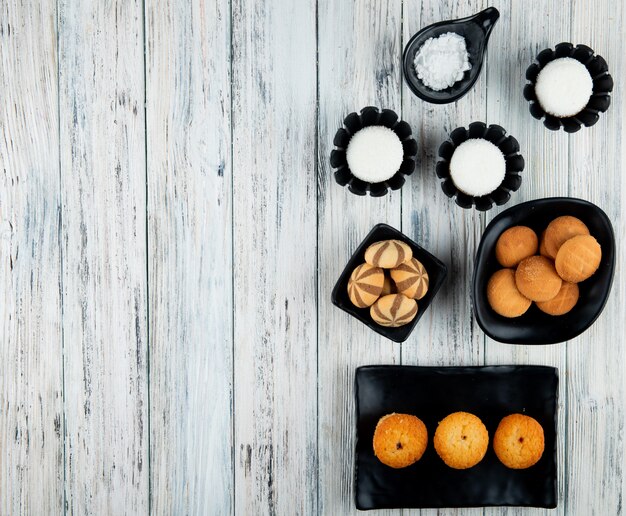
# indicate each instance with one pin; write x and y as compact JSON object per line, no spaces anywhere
{"x":442,"y":61}
{"x":477,"y":167}
{"x":374,"y":153}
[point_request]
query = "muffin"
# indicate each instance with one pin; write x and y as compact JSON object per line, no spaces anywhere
{"x":519,"y":441}
{"x":563,"y":302}
{"x":461,"y":440}
{"x":503,"y":296}
{"x":400,"y":440}
{"x":536,"y":279}
{"x":515,"y":244}
{"x":578,"y":258}
{"x":560,"y":230}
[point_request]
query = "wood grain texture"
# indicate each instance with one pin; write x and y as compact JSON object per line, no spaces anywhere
{"x":274,"y":260}
{"x":31,"y":398}
{"x":101,"y":99}
{"x":190,"y":269}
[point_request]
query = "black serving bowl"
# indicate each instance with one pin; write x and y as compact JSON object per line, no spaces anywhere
{"x":602,"y":86}
{"x":507,"y":145}
{"x":353,"y":123}
{"x":536,"y":327}
{"x":436,"y":269}
{"x":475,"y":29}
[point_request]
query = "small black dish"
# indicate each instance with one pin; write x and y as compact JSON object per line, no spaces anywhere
{"x":475,"y":29}
{"x":436,"y":269}
{"x":507,"y":145}
{"x":536,"y":327}
{"x":431,"y":393}
{"x":353,"y":123}
{"x":602,"y":86}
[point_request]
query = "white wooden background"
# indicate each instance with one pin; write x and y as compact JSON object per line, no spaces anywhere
{"x":170,"y":232}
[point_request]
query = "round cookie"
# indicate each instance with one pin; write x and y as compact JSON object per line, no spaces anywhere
{"x":560,"y":230}
{"x":563,"y":302}
{"x":365,"y":285}
{"x":394,"y":310}
{"x":578,"y":258}
{"x":400,"y":440}
{"x":461,"y":440}
{"x":388,"y":254}
{"x":536,"y":279}
{"x":411,"y":279}
{"x":519,"y":441}
{"x":503,"y":296}
{"x":515,"y":244}
{"x":388,"y":287}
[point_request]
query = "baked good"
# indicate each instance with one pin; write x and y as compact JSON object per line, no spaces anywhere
{"x":536,"y":278}
{"x":388,"y":254}
{"x":365,"y":285}
{"x":519,"y":441}
{"x":515,"y":244}
{"x":388,"y":286}
{"x":542,"y":245}
{"x":578,"y":258}
{"x":461,"y":440}
{"x":560,"y":230}
{"x":400,"y":440}
{"x":503,"y":296}
{"x":563,"y":302}
{"x":394,"y":310}
{"x":411,"y":279}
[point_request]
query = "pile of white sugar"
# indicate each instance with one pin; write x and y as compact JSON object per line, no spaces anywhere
{"x":477,"y":167}
{"x":374,"y":153}
{"x":563,"y":87}
{"x":442,"y":61}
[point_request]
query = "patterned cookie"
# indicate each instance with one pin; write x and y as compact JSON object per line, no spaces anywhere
{"x":388,"y":254}
{"x":411,"y":279}
{"x":461,"y":440}
{"x":365,"y":285}
{"x":519,"y":441}
{"x":400,"y":440}
{"x":563,"y":302}
{"x":578,"y":258}
{"x":560,"y":230}
{"x":394,"y":310}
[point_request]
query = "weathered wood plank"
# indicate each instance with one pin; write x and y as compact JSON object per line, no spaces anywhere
{"x":104,"y":255}
{"x":31,"y":382}
{"x":359,"y":65}
{"x":190,"y":269}
{"x":274,"y":260}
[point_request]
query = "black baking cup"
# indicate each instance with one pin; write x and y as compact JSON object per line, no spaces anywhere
{"x":602,"y":86}
{"x":513,"y":159}
{"x":353,"y":123}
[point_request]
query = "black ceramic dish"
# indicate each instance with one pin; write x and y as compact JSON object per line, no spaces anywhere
{"x":437,"y":272}
{"x":431,"y":393}
{"x":602,"y":87}
{"x":507,"y":145}
{"x":476,"y":31}
{"x":536,"y":327}
{"x":353,"y":123}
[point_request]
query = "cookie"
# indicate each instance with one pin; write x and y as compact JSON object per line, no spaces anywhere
{"x":400,"y":440}
{"x":515,"y":244}
{"x":388,"y":254}
{"x":388,"y":286}
{"x":536,"y":279}
{"x":563,"y":302}
{"x":503,"y":296}
{"x":578,"y":258}
{"x":560,"y":230}
{"x":461,"y":440}
{"x":394,"y":310}
{"x":365,"y":285}
{"x":519,"y":441}
{"x":411,"y":279}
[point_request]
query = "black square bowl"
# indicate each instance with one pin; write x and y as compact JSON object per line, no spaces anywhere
{"x":436,"y":269}
{"x":535,"y":326}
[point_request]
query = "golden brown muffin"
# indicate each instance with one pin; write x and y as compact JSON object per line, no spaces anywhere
{"x":388,"y":286}
{"x":519,"y":441}
{"x":536,"y":278}
{"x":542,"y":245}
{"x":365,"y":285}
{"x":560,"y":230}
{"x":411,"y":279}
{"x":388,"y":254}
{"x":503,"y":296}
{"x":515,"y":244}
{"x":578,"y":258}
{"x":394,"y":310}
{"x":563,"y":302}
{"x":461,"y":440}
{"x":400,"y":440}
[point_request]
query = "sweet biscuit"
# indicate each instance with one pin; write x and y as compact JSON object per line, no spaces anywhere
{"x":388,"y":254}
{"x":536,"y":279}
{"x":560,"y":230}
{"x":400,"y":440}
{"x":461,"y":440}
{"x":503,"y":296}
{"x":519,"y":441}
{"x":515,"y":244}
{"x":578,"y":258}
{"x":563,"y":302}
{"x":394,"y":310}
{"x":411,"y":279}
{"x":365,"y":285}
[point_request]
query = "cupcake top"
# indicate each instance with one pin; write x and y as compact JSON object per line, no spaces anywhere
{"x":374,"y":153}
{"x":564,"y":87}
{"x":477,"y":167}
